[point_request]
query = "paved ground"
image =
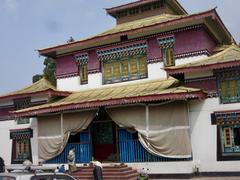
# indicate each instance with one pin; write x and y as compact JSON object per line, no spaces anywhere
{"x":206,"y":178}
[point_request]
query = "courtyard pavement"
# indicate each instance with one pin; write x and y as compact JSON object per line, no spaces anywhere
{"x":207,"y":178}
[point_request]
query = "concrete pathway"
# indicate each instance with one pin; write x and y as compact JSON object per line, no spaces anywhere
{"x":206,"y":178}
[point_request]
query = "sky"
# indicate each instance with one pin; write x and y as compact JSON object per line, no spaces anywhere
{"x":28,"y":25}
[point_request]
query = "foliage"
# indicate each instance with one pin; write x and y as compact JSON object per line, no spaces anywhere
{"x":37,"y":77}
{"x":48,"y":71}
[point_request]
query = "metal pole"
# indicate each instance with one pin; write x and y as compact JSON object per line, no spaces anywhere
{"x":62,"y":129}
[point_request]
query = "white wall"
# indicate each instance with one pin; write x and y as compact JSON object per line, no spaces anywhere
{"x":165,"y":167}
{"x":204,"y":135}
{"x":189,"y":59}
{"x":6,"y":142}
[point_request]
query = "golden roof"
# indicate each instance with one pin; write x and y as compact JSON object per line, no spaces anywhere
{"x":135,"y":90}
{"x":39,"y":86}
{"x":229,"y":54}
{"x":137,"y":28}
{"x":130,"y":26}
{"x":149,"y":21}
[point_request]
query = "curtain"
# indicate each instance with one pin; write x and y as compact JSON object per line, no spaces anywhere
{"x":163,"y":130}
{"x":51,"y":139}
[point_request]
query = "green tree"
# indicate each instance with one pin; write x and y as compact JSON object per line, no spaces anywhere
{"x":48,"y":71}
{"x":37,"y":77}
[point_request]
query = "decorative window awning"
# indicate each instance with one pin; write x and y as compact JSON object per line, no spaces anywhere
{"x":82,"y":58}
{"x":19,"y":134}
{"x":122,"y":51}
{"x":166,"y":42}
{"x":227,"y":118}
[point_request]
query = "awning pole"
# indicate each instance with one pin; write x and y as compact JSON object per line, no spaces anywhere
{"x":62,"y":129}
{"x":147,"y":119}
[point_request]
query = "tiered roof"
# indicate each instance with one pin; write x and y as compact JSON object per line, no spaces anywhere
{"x":176,"y":6}
{"x":228,"y":57}
{"x":147,"y":91}
{"x":145,"y":27}
{"x":40,"y":87}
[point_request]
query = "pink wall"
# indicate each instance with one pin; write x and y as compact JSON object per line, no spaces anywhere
{"x":94,"y":64}
{"x":208,"y":84}
{"x":193,"y":40}
{"x":189,"y":41}
{"x":66,"y":65}
{"x":153,"y":51}
{"x":4,"y":112}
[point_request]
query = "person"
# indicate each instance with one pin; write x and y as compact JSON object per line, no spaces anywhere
{"x":97,"y":171}
{"x":71,"y":160}
{"x":71,"y":155}
{"x":2,"y":165}
{"x":62,"y":169}
{"x":56,"y":170}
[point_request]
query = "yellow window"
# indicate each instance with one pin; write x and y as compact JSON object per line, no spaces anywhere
{"x":224,"y":88}
{"x":133,"y":65}
{"x":227,"y":137}
{"x":232,"y":87}
{"x":116,"y":70}
{"x":124,"y":68}
{"x":84,"y":76}
{"x":143,"y":65}
{"x":168,"y":56}
{"x":107,"y":71}
{"x":238,"y":87}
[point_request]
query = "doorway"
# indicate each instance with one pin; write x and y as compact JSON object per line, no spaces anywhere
{"x":103,"y":131}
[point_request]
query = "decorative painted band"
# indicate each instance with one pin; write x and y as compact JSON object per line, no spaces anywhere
{"x":82,"y":58}
{"x":122,"y":51}
{"x":195,"y":53}
{"x":21,"y":133}
{"x":200,"y":79}
{"x":151,"y":61}
{"x":62,"y":76}
{"x":215,"y":66}
{"x":178,"y":56}
{"x":227,"y":118}
{"x":94,"y":71}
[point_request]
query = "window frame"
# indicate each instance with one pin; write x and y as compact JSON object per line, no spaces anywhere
{"x":21,"y":135}
{"x":223,"y":151}
{"x":130,"y":76}
{"x":166,"y":45}
{"x":83,"y":71}
{"x":15,"y":159}
{"x":225,"y":91}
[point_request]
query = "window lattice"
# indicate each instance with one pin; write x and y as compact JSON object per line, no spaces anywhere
{"x":131,"y":68}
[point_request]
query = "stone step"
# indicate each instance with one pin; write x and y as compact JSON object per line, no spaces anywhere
{"x":106,"y":173}
{"x":105,"y":169}
{"x":109,"y":173}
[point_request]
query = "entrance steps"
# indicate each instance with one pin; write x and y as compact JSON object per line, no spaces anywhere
{"x":115,"y":172}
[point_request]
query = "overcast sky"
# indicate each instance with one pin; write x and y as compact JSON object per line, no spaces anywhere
{"x":27,"y":25}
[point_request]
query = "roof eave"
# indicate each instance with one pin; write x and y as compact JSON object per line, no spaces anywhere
{"x":203,"y":67}
{"x":48,"y":92}
{"x":111,"y":102}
